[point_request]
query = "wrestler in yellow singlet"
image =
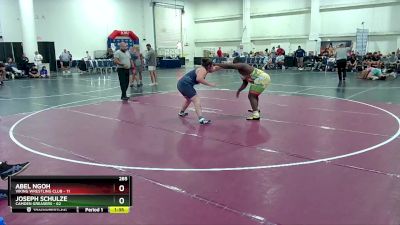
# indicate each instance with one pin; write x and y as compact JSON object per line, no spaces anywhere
{"x":258,"y":79}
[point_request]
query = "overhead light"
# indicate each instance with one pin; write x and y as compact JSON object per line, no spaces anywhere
{"x":169,"y":5}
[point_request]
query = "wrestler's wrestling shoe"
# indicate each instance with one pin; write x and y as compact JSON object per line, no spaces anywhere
{"x":204,"y":121}
{"x":3,"y":194}
{"x":7,"y":170}
{"x":183,"y":114}
{"x":254,"y":116}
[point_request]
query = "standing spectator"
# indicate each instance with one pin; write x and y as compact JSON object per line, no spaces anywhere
{"x":151,"y":63}
{"x":88,"y":57}
{"x":325,"y":52}
{"x":38,"y":59}
{"x":219,"y":55}
{"x":300,"y":53}
{"x":138,"y":65}
{"x":64,"y":60}
{"x":266,"y":51}
{"x":280,"y":57}
{"x":331,"y":50}
{"x":122,"y":59}
{"x":341,"y":61}
{"x":273,"y":50}
{"x":70,"y":59}
{"x":132,"y":76}
{"x":280,"y":51}
{"x":2,"y":74}
{"x":398,"y":53}
{"x":25,"y":64}
{"x":219,"y":52}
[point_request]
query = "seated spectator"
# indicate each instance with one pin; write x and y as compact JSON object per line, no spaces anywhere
{"x":376,"y":57}
{"x":2,"y":74}
{"x":368,"y":56}
{"x":393,"y":59}
{"x":266,"y":59}
{"x":44,"y":73}
{"x":235,"y":54}
{"x":83,"y":65}
{"x":318,"y":62}
{"x":268,"y":62}
{"x":280,"y":61}
{"x":372,"y":73}
{"x":110,"y":54}
{"x":352,"y":63}
{"x":251,"y":54}
{"x":330,"y":64}
{"x":33,"y":72}
{"x":367,"y":59}
{"x":376,"y":61}
{"x":11,"y":67}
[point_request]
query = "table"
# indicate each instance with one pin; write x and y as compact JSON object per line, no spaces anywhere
{"x":170,"y":63}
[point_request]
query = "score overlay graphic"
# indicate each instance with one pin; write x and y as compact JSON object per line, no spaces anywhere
{"x":70,"y":194}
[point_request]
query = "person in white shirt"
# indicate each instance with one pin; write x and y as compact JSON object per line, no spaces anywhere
{"x":65,"y":59}
{"x":88,"y":57}
{"x":38,"y":59}
{"x":341,"y":61}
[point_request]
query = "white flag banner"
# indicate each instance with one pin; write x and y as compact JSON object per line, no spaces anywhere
{"x":362,"y":41}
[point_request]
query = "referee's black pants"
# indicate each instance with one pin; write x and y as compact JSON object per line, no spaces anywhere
{"x":123,"y":75}
{"x":341,"y":68}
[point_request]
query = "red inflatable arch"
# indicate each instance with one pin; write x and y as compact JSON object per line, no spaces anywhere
{"x":117,"y":33}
